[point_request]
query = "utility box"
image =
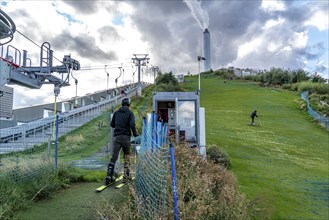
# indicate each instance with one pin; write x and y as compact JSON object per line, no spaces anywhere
{"x":181,"y":110}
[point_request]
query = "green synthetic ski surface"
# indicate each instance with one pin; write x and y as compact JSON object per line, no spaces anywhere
{"x":80,"y":201}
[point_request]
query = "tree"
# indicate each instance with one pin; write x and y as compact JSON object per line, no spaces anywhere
{"x":317,"y":78}
{"x":299,"y":75}
{"x":167,"y":83}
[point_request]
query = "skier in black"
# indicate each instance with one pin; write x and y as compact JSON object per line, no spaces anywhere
{"x":123,"y":122}
{"x":253,"y":115}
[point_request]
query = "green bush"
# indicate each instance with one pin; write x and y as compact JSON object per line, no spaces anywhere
{"x":320,"y":103}
{"x":219,"y":156}
{"x":279,"y":77}
{"x":12,"y":198}
{"x":294,"y":87}
{"x":319,"y":88}
{"x":286,"y":86}
{"x":167,"y":83}
{"x":224,"y":73}
{"x":16,"y":195}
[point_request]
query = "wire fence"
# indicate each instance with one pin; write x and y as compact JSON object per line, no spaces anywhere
{"x":152,"y":169}
{"x":322,"y":119}
{"x":27,"y":150}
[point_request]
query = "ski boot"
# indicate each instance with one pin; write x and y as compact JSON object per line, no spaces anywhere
{"x":109,"y":177}
{"x":126,"y":174}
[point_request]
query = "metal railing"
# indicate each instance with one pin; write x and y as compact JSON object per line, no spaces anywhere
{"x":37,"y":132}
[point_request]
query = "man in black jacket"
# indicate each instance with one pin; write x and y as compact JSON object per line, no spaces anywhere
{"x":123,"y":122}
{"x":253,"y":115}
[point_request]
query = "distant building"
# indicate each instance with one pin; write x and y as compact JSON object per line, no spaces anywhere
{"x":244,"y":72}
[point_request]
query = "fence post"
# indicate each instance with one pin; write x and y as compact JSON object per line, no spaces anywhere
{"x":49,"y":145}
{"x":56,"y":143}
{"x":173,"y":175}
{"x":153,"y":124}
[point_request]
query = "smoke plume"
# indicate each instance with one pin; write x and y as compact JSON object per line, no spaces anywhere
{"x":200,"y":15}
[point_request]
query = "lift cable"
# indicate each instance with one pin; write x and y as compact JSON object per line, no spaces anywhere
{"x":36,"y":44}
{"x":82,"y":68}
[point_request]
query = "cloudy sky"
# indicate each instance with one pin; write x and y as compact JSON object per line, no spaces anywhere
{"x":256,"y":34}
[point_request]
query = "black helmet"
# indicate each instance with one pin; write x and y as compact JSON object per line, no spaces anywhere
{"x":126,"y":101}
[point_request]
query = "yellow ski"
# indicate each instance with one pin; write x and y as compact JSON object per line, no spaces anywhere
{"x":123,"y":184}
{"x":101,"y":188}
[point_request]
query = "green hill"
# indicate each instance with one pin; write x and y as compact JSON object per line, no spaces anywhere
{"x":283,"y":159}
{"x":281,"y":162}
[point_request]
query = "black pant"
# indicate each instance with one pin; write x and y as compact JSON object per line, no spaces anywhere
{"x":120,"y":141}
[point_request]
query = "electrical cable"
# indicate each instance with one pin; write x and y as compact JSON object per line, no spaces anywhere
{"x":113,"y":66}
{"x":36,"y":44}
{"x":81,"y":69}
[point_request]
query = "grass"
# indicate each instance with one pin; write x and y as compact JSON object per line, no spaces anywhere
{"x":283,"y":158}
{"x":80,"y":143}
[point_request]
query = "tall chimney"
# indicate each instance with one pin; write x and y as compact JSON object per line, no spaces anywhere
{"x":206,"y":50}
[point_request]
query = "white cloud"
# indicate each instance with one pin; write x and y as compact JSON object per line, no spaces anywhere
{"x":272,"y":5}
{"x":298,"y":40}
{"x":319,"y":20}
{"x":249,"y":47}
{"x":272,"y":23}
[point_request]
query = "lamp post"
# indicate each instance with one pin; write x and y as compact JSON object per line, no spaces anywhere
{"x":107,"y":74}
{"x":200,"y":58}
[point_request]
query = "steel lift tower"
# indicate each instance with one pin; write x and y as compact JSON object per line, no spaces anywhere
{"x":16,"y":67}
{"x":140,"y":59}
{"x":155,"y":70}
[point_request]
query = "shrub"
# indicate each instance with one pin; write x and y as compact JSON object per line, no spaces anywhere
{"x":12,"y":198}
{"x":319,"y":88}
{"x":17,"y":195}
{"x":286,"y":86}
{"x":279,"y":76}
{"x":320,"y":103}
{"x":224,"y":73}
{"x":219,"y":156}
{"x":294,"y":87}
{"x":167,"y":83}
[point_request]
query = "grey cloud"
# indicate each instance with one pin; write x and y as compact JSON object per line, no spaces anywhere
{"x":230,"y":26}
{"x":84,"y":45}
{"x":172,"y":32}
{"x":108,"y":31}
{"x":322,"y":69}
{"x":84,"y":6}
{"x":313,"y":52}
{"x":30,"y":27}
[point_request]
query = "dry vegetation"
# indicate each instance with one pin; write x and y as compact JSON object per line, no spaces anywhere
{"x":205,"y":191}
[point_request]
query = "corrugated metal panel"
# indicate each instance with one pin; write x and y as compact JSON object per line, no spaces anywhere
{"x":6,"y":102}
